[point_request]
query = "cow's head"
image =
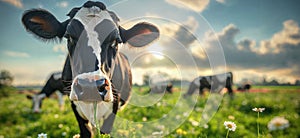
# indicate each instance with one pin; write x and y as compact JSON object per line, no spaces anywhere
{"x":93,"y":35}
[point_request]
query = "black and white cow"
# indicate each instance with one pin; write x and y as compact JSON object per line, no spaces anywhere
{"x":214,"y":83}
{"x":53,"y":84}
{"x":244,"y":88}
{"x":95,"y":73}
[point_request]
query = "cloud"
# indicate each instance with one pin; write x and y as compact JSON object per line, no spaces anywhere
{"x":60,"y":48}
{"x":196,"y":5}
{"x":16,"y":3}
{"x":288,"y":36}
{"x":221,"y":1}
{"x":271,"y":57}
{"x":62,"y":4}
{"x":16,"y":54}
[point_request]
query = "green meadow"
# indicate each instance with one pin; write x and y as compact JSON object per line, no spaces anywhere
{"x":17,"y":120}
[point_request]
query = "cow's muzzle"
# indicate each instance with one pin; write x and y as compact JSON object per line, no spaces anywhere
{"x":90,"y":88}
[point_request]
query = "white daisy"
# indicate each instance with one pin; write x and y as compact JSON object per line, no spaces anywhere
{"x":230,"y":125}
{"x":42,"y":135}
{"x":278,"y":123}
{"x":258,"y":109}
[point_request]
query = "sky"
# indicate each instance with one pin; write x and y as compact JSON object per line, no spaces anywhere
{"x":254,"y":39}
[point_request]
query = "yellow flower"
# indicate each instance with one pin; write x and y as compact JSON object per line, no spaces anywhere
{"x":181,"y":132}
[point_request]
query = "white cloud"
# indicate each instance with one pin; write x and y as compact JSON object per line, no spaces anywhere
{"x":196,"y":5}
{"x":62,"y":4}
{"x":277,"y":57}
{"x":60,"y":48}
{"x":221,"y":1}
{"x":289,"y":35}
{"x":16,"y":3}
{"x":16,"y":54}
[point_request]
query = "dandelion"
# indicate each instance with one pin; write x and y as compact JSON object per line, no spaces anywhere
{"x":231,"y":126}
{"x":258,"y":110}
{"x":278,"y":123}
{"x":42,"y":135}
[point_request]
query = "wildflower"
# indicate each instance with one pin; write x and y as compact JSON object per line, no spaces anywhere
{"x":123,"y":133}
{"x":157,"y":133}
{"x":181,"y":132}
{"x":230,"y":125}
{"x":139,"y":126}
{"x":231,"y":117}
{"x":278,"y":123}
{"x":42,"y":135}
{"x":60,"y":126}
{"x":258,"y":109}
{"x":160,"y":127}
{"x":56,"y":116}
{"x":205,"y":126}
{"x":144,"y":119}
{"x":76,"y":136}
{"x":193,"y":122}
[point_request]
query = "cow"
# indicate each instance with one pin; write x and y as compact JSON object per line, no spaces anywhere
{"x":161,"y":87}
{"x":53,"y":84}
{"x":96,"y":75}
{"x":215,"y":83}
{"x":244,"y":88}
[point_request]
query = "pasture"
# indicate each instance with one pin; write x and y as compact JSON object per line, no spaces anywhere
{"x":17,"y":121}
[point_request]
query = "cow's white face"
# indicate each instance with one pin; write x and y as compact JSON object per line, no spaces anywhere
{"x":93,"y":38}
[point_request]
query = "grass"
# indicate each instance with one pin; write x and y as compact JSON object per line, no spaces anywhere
{"x":161,"y":115}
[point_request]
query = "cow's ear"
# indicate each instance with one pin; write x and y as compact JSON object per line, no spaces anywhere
{"x":43,"y":24}
{"x":140,"y":34}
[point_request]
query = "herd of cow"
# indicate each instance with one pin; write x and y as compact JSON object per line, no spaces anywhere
{"x":95,"y":73}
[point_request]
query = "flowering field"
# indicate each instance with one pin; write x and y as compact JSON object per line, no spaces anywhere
{"x":280,"y":117}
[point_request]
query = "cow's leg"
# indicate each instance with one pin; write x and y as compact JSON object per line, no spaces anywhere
{"x":108,"y":124}
{"x":84,"y":131}
{"x":191,"y":89}
{"x":201,"y":92}
{"x":230,"y":91}
{"x":109,"y":121}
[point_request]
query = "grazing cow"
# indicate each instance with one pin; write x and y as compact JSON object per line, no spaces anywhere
{"x":54,"y":83}
{"x":214,"y":83}
{"x":161,"y":87}
{"x":245,"y":88}
{"x":95,"y":73}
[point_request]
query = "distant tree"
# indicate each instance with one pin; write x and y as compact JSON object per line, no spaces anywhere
{"x":297,"y":82}
{"x":6,"y":78}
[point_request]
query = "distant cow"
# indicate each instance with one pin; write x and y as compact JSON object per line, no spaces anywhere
{"x":214,"y":83}
{"x":95,"y":73}
{"x":245,"y":88}
{"x":161,"y":87}
{"x":54,"y":83}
